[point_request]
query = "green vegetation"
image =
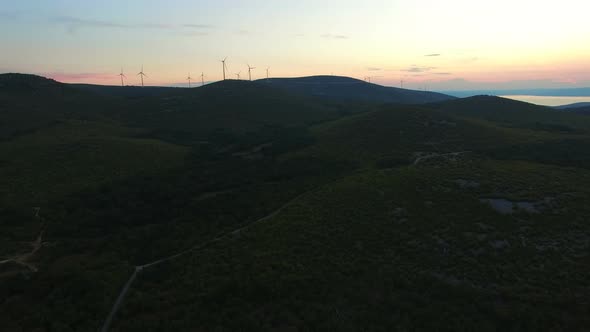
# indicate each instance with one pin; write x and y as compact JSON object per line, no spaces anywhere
{"x":351,"y":216}
{"x":402,"y":249}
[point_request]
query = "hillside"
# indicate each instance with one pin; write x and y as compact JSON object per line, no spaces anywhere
{"x":412,"y":248}
{"x":512,"y":113}
{"x":581,"y":110}
{"x":127,"y":91}
{"x":572,"y":106}
{"x":29,"y":103}
{"x":562,"y":92}
{"x":226,"y":108}
{"x":349,"y":89}
{"x":577,"y":108}
{"x":247,"y":206}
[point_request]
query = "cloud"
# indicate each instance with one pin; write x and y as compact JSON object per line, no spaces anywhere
{"x":194,"y":34}
{"x":158,"y":26}
{"x":198,"y":26}
{"x":443,"y":74}
{"x":415,"y":69}
{"x":75,"y":23}
{"x":331,"y":36}
{"x":433,"y":54}
{"x":373,"y":69}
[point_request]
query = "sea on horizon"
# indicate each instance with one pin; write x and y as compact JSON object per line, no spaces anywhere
{"x":549,"y":100}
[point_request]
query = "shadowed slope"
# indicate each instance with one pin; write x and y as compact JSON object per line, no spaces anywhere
{"x":350,"y":89}
{"x":514,"y":113}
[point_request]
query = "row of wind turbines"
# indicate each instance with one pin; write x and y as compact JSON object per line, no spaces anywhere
{"x":141,"y":74}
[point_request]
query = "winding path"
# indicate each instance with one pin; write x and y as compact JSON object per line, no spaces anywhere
{"x":139,"y":268}
{"x":23,"y":258}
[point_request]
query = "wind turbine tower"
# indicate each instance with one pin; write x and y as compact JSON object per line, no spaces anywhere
{"x":122,"y":77}
{"x":238,"y":75}
{"x":189,"y":80}
{"x":267,"y":72}
{"x":250,"y":72}
{"x":202,"y":79}
{"x":224,"y":67}
{"x":369,"y":79}
{"x":141,"y":74}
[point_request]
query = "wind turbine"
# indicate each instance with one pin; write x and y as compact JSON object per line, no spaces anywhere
{"x":250,"y":72}
{"x":370,"y":78}
{"x":224,"y":67}
{"x":267,"y":72}
{"x":238,"y":75}
{"x":202,"y":79}
{"x":189,"y":80}
{"x":122,"y":77}
{"x":142,"y":74}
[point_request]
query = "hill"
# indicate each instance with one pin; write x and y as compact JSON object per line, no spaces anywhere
{"x":572,"y":106}
{"x":14,"y":82}
{"x":29,"y":103}
{"x":563,"y":92}
{"x":127,"y":91}
{"x":247,"y":206}
{"x":411,"y":248}
{"x":581,"y":110}
{"x":347,"y":89}
{"x":512,"y":113}
{"x":578,"y":108}
{"x":227,"y":108}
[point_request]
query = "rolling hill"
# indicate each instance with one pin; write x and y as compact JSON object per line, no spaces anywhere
{"x":572,"y":106}
{"x":581,"y":110}
{"x":346,"y":89}
{"x":255,"y":207}
{"x":230,"y":107}
{"x":513,"y":113}
{"x":578,"y":108}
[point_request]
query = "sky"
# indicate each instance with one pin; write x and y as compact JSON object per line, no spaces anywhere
{"x":427,"y":44}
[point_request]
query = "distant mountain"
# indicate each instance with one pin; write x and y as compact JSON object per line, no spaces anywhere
{"x":350,"y":89}
{"x":571,"y":107}
{"x":575,"y":92}
{"x":512,"y":113}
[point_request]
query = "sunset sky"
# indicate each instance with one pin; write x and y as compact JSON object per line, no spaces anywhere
{"x":443,"y":45}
